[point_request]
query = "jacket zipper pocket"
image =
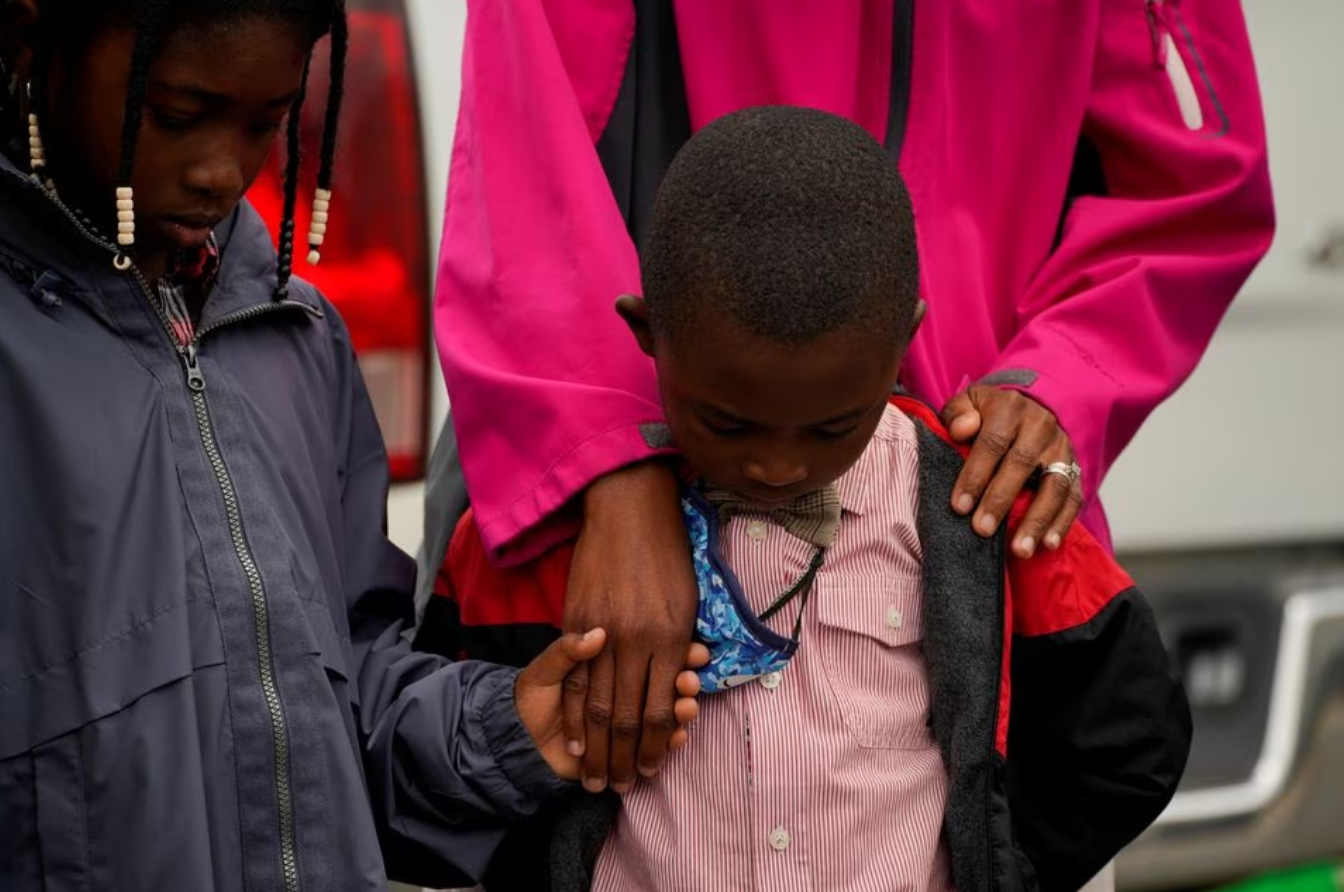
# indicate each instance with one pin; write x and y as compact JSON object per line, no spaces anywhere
{"x":1174,"y":52}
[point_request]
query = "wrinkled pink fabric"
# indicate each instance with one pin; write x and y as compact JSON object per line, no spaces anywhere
{"x":548,"y":388}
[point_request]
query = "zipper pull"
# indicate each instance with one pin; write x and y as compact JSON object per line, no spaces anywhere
{"x":1157,"y":32}
{"x":195,"y":380}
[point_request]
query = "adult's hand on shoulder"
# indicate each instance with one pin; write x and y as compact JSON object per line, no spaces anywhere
{"x":1013,"y":439}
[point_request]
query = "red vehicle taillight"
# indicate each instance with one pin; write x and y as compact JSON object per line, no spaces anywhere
{"x":375,"y":265}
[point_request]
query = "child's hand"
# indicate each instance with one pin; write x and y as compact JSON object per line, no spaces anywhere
{"x":686,"y":708}
{"x":538,"y":690}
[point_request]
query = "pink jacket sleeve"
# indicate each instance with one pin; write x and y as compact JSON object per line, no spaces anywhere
{"x":1120,"y":314}
{"x":548,"y":389}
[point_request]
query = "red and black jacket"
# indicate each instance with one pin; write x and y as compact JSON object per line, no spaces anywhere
{"x":1062,"y":723}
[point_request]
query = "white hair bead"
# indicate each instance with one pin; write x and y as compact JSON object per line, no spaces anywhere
{"x":317,"y":229}
{"x":125,"y":216}
{"x":37,"y":156}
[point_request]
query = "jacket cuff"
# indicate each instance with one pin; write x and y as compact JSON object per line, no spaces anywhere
{"x":511,"y":744}
{"x":1075,"y":388}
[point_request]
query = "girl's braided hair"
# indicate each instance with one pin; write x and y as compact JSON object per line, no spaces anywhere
{"x":71,"y":24}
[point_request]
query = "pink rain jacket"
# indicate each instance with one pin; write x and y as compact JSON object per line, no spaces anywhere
{"x":1089,"y":181}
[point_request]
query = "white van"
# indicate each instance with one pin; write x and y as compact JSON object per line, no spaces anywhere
{"x":1228,"y":508}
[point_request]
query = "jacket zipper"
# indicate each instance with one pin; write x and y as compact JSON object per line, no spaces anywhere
{"x":902,"y":66}
{"x":270,"y":688}
{"x":289,"y":861}
{"x":260,"y":613}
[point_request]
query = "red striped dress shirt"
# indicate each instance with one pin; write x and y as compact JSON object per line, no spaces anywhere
{"x":824,"y":776}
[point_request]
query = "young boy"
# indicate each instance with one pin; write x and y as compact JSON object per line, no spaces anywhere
{"x":864,"y":641}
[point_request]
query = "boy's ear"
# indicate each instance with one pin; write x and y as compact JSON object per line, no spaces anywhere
{"x":635,"y":312}
{"x":921,"y":310}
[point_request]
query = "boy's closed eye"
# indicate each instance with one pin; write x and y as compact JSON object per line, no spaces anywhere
{"x":725,"y":425}
{"x":719,"y":423}
{"x":846,"y":425}
{"x":726,"y":431}
{"x":831,"y":433}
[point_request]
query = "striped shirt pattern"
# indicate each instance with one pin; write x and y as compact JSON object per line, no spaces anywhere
{"x":823,"y":776}
{"x":190,"y":270}
{"x":174,"y":305}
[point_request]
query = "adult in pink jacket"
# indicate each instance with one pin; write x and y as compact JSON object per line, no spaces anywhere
{"x":1091,"y":190}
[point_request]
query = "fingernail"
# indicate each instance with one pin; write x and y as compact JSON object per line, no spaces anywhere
{"x":574,"y":748}
{"x":1026,"y":546}
{"x":1052,"y":541}
{"x":622,"y":788}
{"x":594,"y":784}
{"x":987,"y":523}
{"x":965,"y":502}
{"x":647,"y":771}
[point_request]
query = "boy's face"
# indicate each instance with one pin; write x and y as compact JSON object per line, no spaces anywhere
{"x":766,"y":421}
{"x":216,"y":98}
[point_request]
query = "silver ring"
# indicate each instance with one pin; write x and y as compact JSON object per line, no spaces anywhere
{"x":1066,"y":469}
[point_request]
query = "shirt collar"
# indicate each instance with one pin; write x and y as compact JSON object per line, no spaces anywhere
{"x":856,"y":484}
{"x":854,"y":487}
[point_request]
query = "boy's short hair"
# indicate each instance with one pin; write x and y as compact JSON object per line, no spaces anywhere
{"x":791,"y":222}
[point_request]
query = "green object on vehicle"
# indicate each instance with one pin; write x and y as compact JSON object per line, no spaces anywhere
{"x":1309,"y":878}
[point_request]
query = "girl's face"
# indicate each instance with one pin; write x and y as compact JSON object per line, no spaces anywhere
{"x":215,"y":98}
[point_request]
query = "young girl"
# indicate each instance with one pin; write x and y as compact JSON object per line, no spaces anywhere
{"x":201,"y":650}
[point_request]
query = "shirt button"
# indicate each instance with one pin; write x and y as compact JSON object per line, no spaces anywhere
{"x":771,"y":680}
{"x":779,"y":839}
{"x":894,"y":618}
{"x":756,"y":531}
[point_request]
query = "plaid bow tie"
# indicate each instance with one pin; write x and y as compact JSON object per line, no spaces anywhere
{"x":814,"y":518}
